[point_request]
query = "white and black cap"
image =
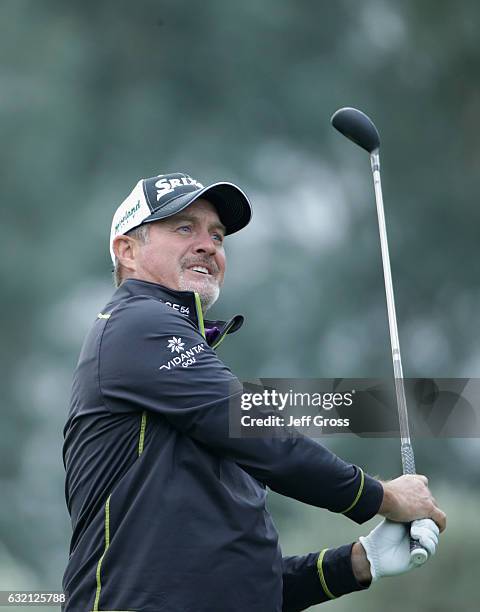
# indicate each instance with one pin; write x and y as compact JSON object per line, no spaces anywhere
{"x":165,"y":195}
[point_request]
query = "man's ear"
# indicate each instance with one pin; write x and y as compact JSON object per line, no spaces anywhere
{"x":124,"y":249}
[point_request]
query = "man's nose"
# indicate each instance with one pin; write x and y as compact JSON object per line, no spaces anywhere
{"x":205,"y":244}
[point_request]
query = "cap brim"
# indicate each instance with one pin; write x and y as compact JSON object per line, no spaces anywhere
{"x":232,"y":205}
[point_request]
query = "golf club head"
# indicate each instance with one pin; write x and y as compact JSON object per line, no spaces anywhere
{"x":356,"y":126}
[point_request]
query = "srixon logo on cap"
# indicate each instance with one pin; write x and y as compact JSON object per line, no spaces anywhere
{"x":165,"y":185}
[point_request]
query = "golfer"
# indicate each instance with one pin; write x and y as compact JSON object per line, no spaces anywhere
{"x":168,"y":511}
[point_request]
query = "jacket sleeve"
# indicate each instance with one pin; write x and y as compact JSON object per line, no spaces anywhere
{"x":152,"y":358}
{"x":318,"y":577}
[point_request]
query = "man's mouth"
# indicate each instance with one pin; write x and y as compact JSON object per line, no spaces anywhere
{"x":200,"y":270}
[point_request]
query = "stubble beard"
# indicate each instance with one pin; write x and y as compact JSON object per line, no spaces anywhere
{"x":208,"y":290}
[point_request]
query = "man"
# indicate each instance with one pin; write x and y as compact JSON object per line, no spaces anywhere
{"x":168,"y":511}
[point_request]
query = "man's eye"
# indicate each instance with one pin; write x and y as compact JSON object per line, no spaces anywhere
{"x":184,"y":229}
{"x":218,"y":237}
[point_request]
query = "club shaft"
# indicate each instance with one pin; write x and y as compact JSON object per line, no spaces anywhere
{"x":418,"y":553}
{"x":407,"y":457}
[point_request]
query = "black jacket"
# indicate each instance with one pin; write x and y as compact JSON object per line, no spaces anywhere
{"x":168,"y":511}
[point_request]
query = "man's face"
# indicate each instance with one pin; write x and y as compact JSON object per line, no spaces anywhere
{"x":185,"y":252}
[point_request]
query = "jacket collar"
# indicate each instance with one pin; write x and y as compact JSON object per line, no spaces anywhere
{"x":187,"y":303}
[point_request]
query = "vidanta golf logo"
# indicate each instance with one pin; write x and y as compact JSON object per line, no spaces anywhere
{"x":185,"y":357}
{"x":176,"y":345}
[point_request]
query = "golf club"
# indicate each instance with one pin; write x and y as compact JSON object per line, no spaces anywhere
{"x":359,"y":128}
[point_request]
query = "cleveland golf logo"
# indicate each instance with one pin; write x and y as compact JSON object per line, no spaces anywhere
{"x":165,"y":185}
{"x":185,"y":357}
{"x":128,"y":214}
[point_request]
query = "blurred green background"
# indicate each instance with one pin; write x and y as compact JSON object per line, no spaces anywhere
{"x":95,"y":95}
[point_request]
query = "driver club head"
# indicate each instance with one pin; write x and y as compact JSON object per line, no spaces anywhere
{"x":358,"y":127}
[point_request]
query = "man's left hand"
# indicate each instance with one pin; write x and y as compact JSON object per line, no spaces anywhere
{"x":387,"y":547}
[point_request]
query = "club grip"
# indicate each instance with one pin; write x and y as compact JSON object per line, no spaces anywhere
{"x":418,"y":554}
{"x":408,"y":460}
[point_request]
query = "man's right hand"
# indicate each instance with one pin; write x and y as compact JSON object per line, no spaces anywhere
{"x":408,"y":498}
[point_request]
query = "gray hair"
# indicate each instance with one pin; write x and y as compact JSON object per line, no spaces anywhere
{"x":139,"y":233}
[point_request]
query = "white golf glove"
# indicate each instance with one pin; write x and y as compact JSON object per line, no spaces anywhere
{"x":388,"y":546}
